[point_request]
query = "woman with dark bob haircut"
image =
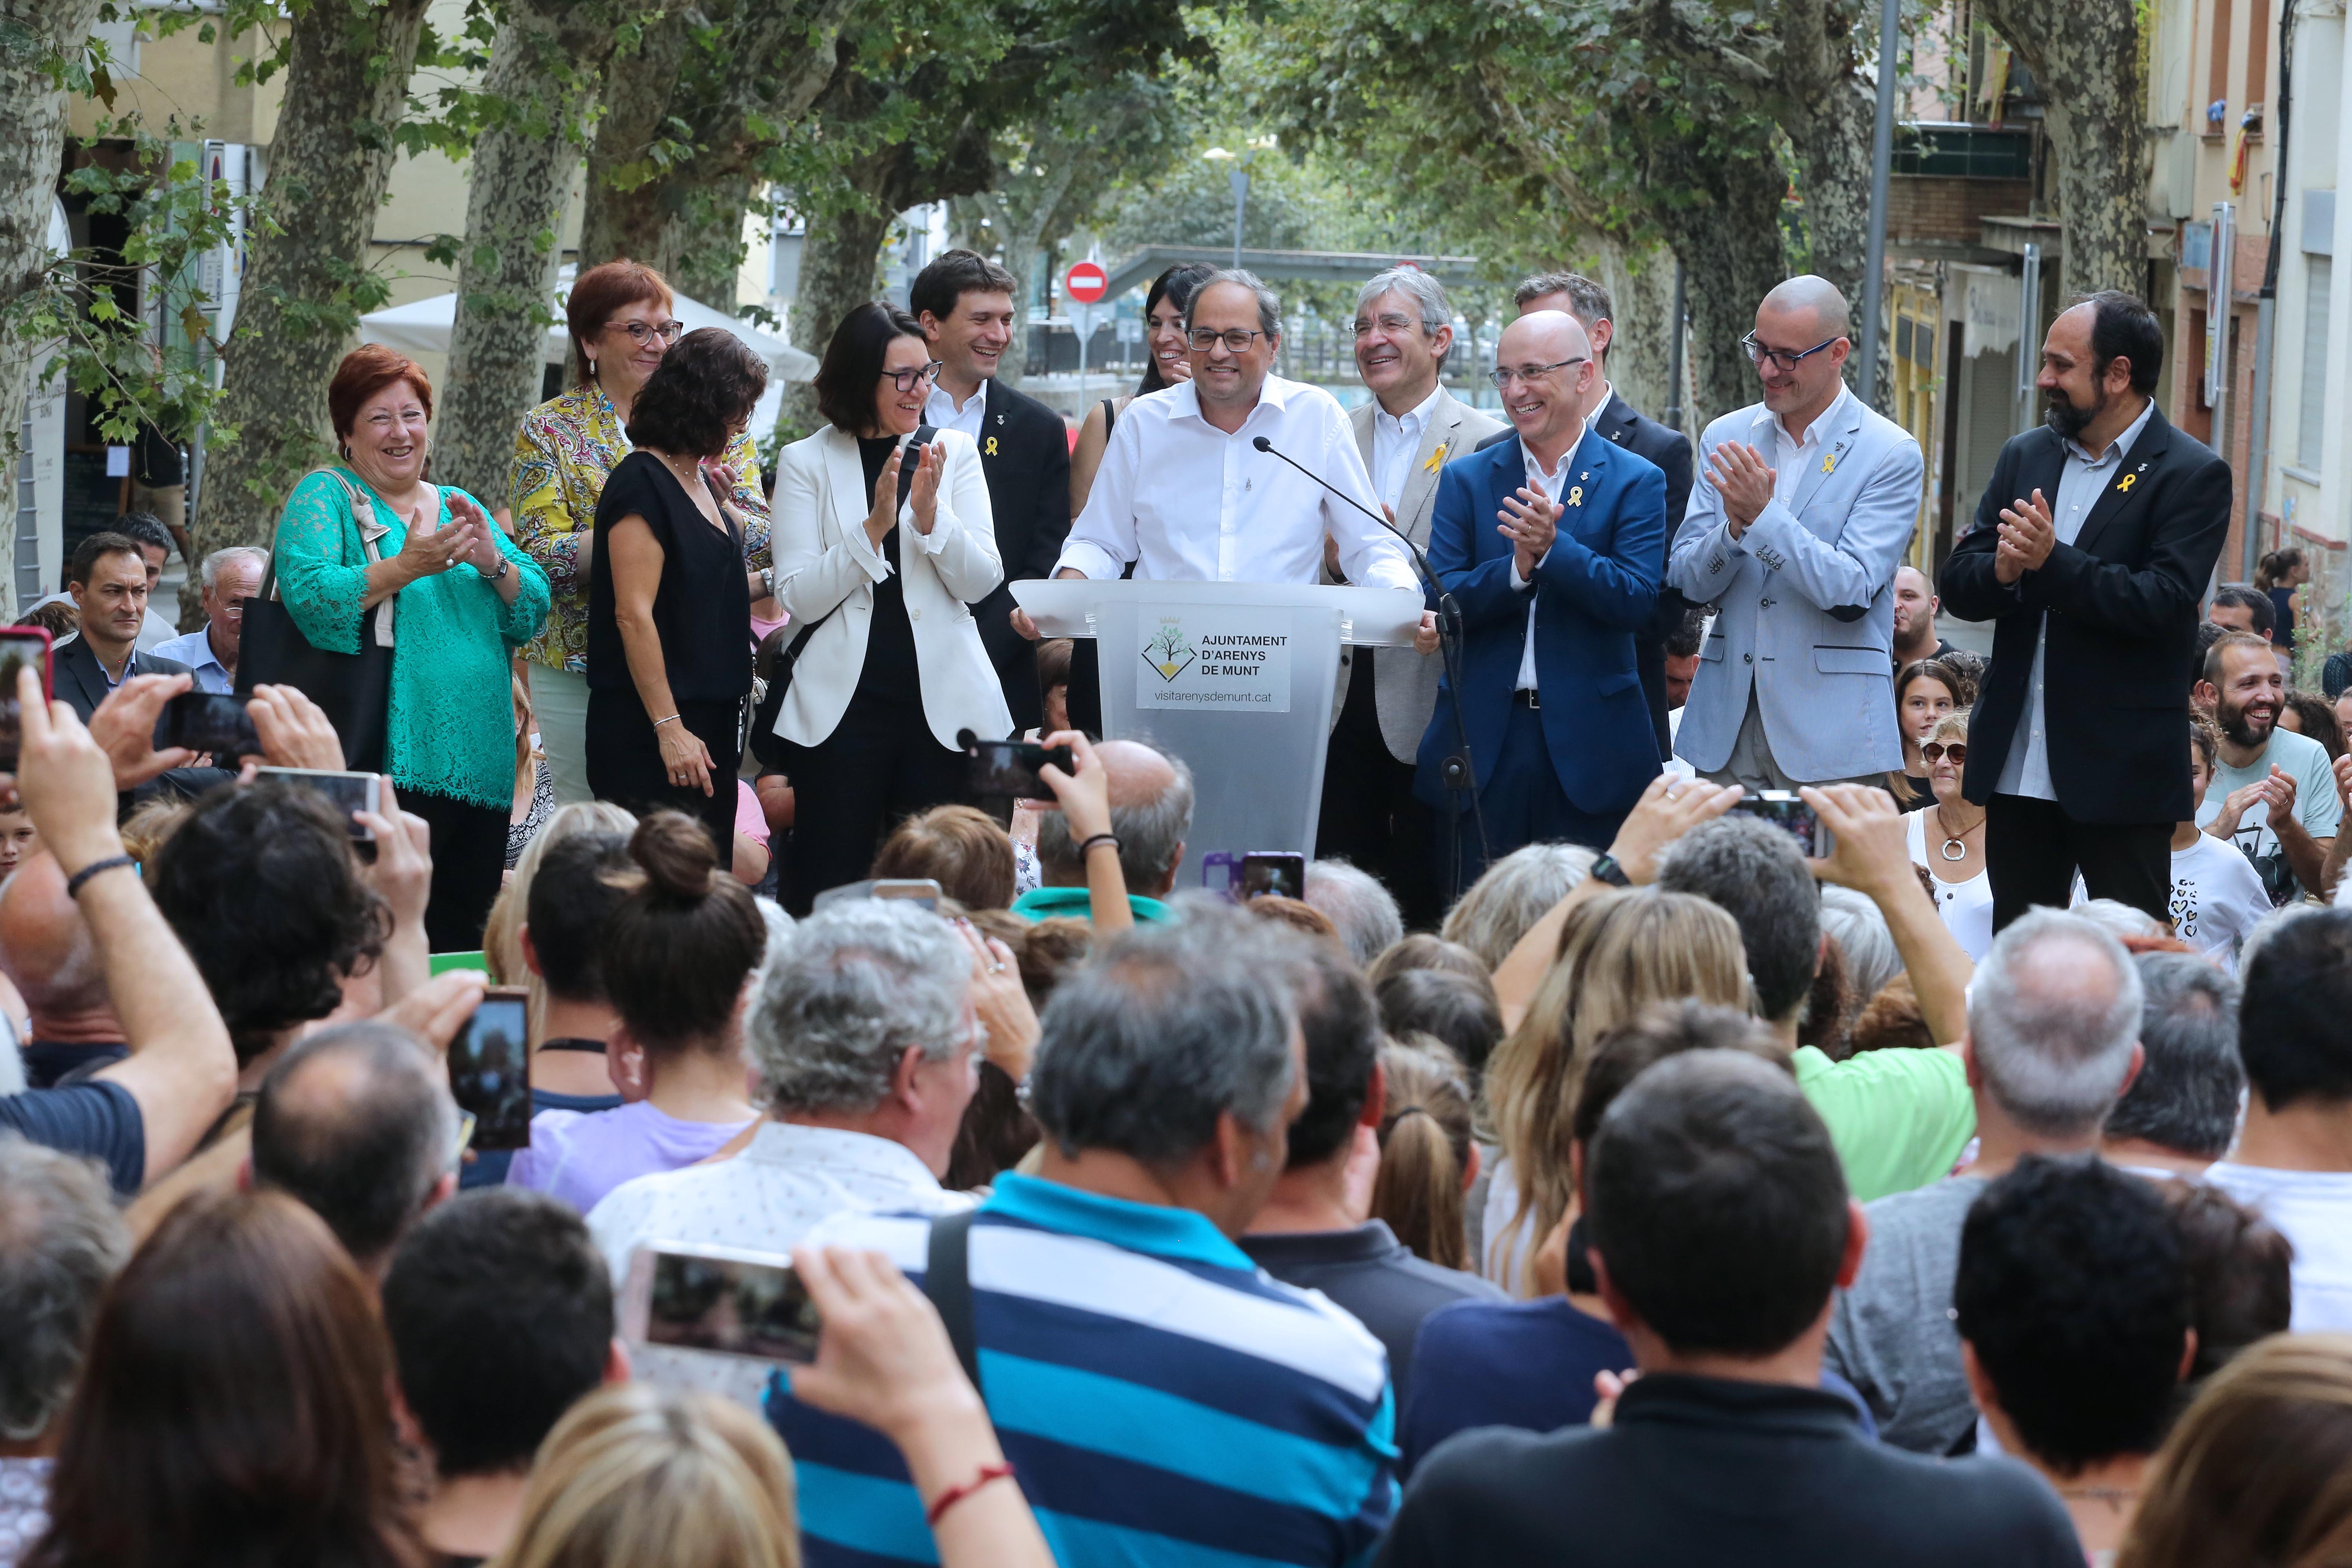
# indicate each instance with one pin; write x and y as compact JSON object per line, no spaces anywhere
{"x":233,"y":1409}
{"x":883,"y":576}
{"x":669,"y":608}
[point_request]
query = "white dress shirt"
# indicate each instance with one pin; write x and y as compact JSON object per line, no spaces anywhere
{"x":195,"y":650}
{"x":1793,"y":458}
{"x":2026,"y":771}
{"x":1395,"y":440}
{"x":939,"y":411}
{"x":1550,"y":485}
{"x":1186,"y":502}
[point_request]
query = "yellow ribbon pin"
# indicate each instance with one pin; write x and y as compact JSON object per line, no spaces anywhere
{"x":990,"y":447}
{"x":1435,"y":459}
{"x":2125,"y":484}
{"x":1829,"y":464}
{"x":1576,"y":494}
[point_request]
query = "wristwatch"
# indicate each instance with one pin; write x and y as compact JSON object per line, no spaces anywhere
{"x":506,"y":564}
{"x":1607,"y":870}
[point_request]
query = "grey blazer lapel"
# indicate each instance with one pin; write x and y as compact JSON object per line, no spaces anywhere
{"x":1832,"y":456}
{"x":1416,"y":500}
{"x":1360,"y":419}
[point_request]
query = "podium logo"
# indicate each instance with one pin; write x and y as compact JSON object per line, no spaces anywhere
{"x":1171,"y":653}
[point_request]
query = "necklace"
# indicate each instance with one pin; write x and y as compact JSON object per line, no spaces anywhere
{"x":1955,"y":841}
{"x":2113,"y":1497}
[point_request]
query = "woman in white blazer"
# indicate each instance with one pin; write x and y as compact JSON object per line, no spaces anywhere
{"x":895,"y":667}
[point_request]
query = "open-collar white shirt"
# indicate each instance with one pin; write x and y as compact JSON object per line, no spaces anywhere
{"x":1395,"y":438}
{"x":1795,"y":456}
{"x":939,"y":411}
{"x":1187,"y":502}
{"x":1549,"y":484}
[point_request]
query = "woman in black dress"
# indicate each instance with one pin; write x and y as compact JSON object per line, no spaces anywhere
{"x":669,"y":605}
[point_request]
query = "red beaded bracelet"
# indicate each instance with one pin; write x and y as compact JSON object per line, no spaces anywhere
{"x":954,"y":1495}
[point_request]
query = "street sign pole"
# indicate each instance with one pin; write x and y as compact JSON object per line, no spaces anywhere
{"x":1085,"y":284}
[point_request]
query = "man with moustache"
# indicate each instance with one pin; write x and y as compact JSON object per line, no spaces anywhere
{"x":1406,"y":434}
{"x":2273,"y":793}
{"x":2091,"y":549}
{"x":1550,"y":544}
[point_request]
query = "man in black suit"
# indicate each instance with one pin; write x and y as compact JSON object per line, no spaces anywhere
{"x":2091,"y":549}
{"x":965,"y":304}
{"x":1617,"y":422}
{"x":108,"y":582}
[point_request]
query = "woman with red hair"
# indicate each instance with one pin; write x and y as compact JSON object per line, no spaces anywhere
{"x":370,"y":548}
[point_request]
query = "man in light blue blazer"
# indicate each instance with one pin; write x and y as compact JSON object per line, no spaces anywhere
{"x":1803,"y":508}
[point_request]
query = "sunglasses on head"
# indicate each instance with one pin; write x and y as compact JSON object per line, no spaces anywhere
{"x":1935,"y":752}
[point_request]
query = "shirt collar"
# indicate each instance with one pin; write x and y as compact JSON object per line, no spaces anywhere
{"x":2120,"y":447}
{"x":1274,"y":395}
{"x":1161,"y":1230}
{"x":1418,"y":414}
{"x":941,"y":395}
{"x":1831,"y":418}
{"x":785,"y":1143}
{"x":1567,"y":454}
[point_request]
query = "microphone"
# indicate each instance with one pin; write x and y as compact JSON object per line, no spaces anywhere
{"x":1420,"y":561}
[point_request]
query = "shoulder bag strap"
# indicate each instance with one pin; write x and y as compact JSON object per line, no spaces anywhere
{"x":923,"y":436}
{"x":947,"y":1281}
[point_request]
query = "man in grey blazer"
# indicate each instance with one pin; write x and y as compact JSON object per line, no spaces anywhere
{"x":1409,"y":430}
{"x":1803,"y":507}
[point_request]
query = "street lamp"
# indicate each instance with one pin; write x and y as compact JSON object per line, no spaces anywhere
{"x":1238,"y":178}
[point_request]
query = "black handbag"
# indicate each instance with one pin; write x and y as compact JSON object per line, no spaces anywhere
{"x":772,"y":664}
{"x":354,"y":690}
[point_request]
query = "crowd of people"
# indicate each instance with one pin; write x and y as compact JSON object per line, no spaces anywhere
{"x":1965,"y":1177}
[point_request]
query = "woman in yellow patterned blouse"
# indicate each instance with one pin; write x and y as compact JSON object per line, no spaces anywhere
{"x":622,"y":323}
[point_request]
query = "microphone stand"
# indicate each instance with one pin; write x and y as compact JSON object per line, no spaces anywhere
{"x":1456,"y":773}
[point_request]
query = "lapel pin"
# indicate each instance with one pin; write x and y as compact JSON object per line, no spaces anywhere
{"x":1435,"y":459}
{"x":2125,"y":484}
{"x":1829,"y":464}
{"x":991,"y":447}
{"x":1576,"y":494}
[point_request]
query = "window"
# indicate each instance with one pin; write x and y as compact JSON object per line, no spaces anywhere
{"x":2311,"y":413}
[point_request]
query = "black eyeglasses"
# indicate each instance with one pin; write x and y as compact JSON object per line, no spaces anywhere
{"x":1203,"y":339}
{"x":908,"y":380}
{"x":1782,"y":360}
{"x":1935,"y":752}
{"x":640,"y":332}
{"x":1501,"y":374}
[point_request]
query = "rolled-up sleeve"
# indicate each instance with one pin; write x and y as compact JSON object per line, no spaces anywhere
{"x":321,"y":578}
{"x":1102,"y":540}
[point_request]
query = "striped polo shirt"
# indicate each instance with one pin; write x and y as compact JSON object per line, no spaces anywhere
{"x":1163,"y":1401}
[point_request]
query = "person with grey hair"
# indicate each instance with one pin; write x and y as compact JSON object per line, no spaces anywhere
{"x":231,"y":578}
{"x":2054,"y":1018}
{"x":1405,"y":433}
{"x":865,"y":1036}
{"x":1504,"y":905}
{"x":1872,"y":962}
{"x":1150,"y":795}
{"x":2180,"y":1113}
{"x":61,"y":1240}
{"x":355,"y":1123}
{"x":1364,"y":913}
{"x":1168,"y":1073}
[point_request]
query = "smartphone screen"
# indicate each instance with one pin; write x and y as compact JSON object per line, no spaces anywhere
{"x":19,"y":646}
{"x":740,"y":1306}
{"x":347,"y":792}
{"x":1279,"y":872}
{"x":1007,"y":770}
{"x":489,"y":1068}
{"x":1785,"y":811}
{"x":207,"y":722}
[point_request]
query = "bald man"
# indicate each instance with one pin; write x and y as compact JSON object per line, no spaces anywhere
{"x":1550,"y":543}
{"x":1805,"y":504}
{"x":1150,"y":813}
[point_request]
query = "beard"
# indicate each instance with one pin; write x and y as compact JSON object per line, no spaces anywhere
{"x":2068,"y":419}
{"x":2235,"y":723}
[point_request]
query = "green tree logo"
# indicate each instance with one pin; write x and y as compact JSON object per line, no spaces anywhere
{"x":1170,"y":652}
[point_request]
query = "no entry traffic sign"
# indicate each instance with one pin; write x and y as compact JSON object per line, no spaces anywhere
{"x":1085,"y":282}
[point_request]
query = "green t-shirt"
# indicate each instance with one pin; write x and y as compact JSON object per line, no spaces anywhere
{"x":1899,"y":1118}
{"x":1076,"y":903}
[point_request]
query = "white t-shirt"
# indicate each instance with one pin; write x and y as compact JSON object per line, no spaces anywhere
{"x":1967,"y":907}
{"x":2313,"y":1209}
{"x":2302,"y":759}
{"x":2217,"y":895}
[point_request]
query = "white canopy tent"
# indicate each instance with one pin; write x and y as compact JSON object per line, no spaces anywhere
{"x":424,"y":326}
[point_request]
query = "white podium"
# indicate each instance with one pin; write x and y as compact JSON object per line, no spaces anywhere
{"x":1237,"y":678}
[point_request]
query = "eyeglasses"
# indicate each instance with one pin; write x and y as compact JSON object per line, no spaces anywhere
{"x":1782,"y":360}
{"x":641,"y":332}
{"x":1203,"y":339}
{"x":1501,"y":374}
{"x":1935,"y":752}
{"x":908,"y":380}
{"x":1391,"y":321}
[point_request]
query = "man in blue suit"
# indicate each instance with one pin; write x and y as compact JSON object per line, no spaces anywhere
{"x":1551,"y":544}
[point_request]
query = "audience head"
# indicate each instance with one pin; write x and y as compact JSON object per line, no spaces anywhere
{"x":381,"y":405}
{"x":2185,"y":1099}
{"x":108,"y":580}
{"x":502,"y":935}
{"x":2107,"y":346}
{"x":1230,"y":306}
{"x":2243,"y":689}
{"x":1165,"y":302}
{"x":46,"y":950}
{"x":965,"y":303}
{"x":1682,"y":657}
{"x":864,"y":1013}
{"x":857,"y":387}
{"x":1428,"y":1149}
{"x":230,"y":577}
{"x":2312,"y":716}
{"x":2054,"y":1025}
{"x":575,"y":889}
{"x":966,"y":851}
{"x":236,"y":1395}
{"x":636,"y":1475}
{"x":61,"y":1240}
{"x":1403,"y":330}
{"x":356,"y":1123}
{"x":1755,"y":873}
{"x":1550,"y":361}
{"x":1891,"y":1020}
{"x":1660,"y":1030}
{"x":1578,"y":295}
{"x":1914,"y":607}
{"x":2244,"y":609}
{"x":2241,"y":1283}
{"x":1802,"y":337}
{"x":1458,"y":1010}
{"x":1420,"y":950}
{"x":686,"y":936}
{"x":701,"y":397}
{"x":500,"y":1313}
{"x":621,"y":318}
{"x":1511,"y":896}
{"x":1716,"y":1209}
{"x":2254,"y":1472}
{"x":1362,"y":910}
{"x":1178,"y":1050}
{"x":262,"y":888}
{"x":2072,"y":1302}
{"x":1150,"y":813}
{"x":1342,"y":1031}
{"x":1872,"y":962}
{"x":2298,"y":991}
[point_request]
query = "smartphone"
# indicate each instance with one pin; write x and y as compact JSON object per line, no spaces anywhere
{"x":923,"y":891}
{"x":1782,"y":808}
{"x":1282,"y":873}
{"x":20,"y":647}
{"x":489,"y":1068}
{"x":207,"y":722}
{"x":719,"y":1300}
{"x":347,"y":792}
{"x":1007,"y":770}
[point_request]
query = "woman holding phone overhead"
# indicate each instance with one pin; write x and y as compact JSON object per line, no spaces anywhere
{"x":668,"y":664}
{"x":881,"y":550}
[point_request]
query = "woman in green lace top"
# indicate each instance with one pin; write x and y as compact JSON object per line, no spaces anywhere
{"x":465,"y":597}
